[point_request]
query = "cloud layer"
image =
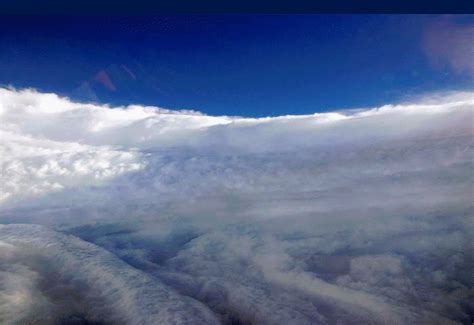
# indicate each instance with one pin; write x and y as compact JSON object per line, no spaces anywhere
{"x":158,"y":216}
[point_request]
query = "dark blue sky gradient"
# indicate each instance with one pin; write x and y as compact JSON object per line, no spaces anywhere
{"x":253,"y":65}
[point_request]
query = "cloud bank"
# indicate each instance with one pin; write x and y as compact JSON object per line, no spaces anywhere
{"x":144,"y":215}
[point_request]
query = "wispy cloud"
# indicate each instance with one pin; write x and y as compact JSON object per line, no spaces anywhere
{"x":449,"y":41}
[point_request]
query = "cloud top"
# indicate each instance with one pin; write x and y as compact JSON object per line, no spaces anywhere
{"x":159,"y":216}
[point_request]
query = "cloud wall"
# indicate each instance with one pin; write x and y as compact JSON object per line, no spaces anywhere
{"x":360,"y":216}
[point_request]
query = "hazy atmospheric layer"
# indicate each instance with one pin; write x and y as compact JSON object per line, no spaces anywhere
{"x":141,"y":215}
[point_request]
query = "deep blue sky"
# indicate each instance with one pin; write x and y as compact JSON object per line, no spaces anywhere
{"x":253,"y":65}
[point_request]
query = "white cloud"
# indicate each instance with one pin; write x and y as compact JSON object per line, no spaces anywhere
{"x":104,"y":287}
{"x":351,"y":217}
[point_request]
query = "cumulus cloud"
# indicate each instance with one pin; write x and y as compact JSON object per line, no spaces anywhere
{"x":158,"y":216}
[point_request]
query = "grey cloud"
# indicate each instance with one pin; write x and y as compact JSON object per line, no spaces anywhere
{"x":448,"y":41}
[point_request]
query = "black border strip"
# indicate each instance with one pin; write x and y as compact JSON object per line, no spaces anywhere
{"x":143,"y":7}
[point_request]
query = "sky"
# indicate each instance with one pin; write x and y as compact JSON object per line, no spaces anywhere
{"x":246,"y":65}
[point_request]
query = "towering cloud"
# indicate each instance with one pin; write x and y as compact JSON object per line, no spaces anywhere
{"x":145,"y":215}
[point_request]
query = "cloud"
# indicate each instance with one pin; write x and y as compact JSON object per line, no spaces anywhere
{"x":447,"y":41}
{"x":361,"y":216}
{"x":98,"y":286}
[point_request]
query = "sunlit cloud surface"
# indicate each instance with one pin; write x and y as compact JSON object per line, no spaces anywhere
{"x":143,"y":215}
